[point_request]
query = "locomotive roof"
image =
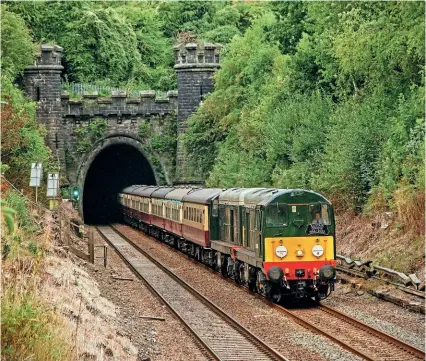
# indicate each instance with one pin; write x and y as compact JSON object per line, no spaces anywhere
{"x":178,"y":193}
{"x":264,"y":196}
{"x":201,"y":195}
{"x":295,"y":196}
{"x":238,"y":195}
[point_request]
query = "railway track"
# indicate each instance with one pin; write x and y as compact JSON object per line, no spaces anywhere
{"x":353,"y":335}
{"x":357,"y":337}
{"x":222,"y":337}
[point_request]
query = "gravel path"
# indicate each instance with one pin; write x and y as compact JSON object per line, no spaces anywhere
{"x":387,"y":317}
{"x":282,"y":333}
{"x":155,"y":339}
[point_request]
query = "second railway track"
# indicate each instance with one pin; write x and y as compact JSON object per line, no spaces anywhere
{"x":222,"y":337}
{"x":367,"y":342}
{"x":353,"y":335}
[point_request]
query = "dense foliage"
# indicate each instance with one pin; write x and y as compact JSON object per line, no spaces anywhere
{"x":129,"y":44}
{"x":328,"y":96}
{"x":22,"y":140}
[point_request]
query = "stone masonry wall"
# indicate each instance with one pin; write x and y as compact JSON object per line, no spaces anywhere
{"x":43,"y":84}
{"x":195,"y":65}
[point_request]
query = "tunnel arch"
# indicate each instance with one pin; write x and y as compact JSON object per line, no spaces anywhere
{"x":114,"y":163}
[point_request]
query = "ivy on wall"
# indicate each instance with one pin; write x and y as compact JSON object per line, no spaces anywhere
{"x":87,"y":135}
{"x":160,"y":141}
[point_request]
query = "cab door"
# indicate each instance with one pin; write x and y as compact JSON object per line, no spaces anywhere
{"x":258,"y":239}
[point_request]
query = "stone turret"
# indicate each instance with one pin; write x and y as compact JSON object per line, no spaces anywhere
{"x":195,"y":65}
{"x":43,"y":85}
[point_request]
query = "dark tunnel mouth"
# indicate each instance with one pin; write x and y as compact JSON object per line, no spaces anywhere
{"x":115,"y":167}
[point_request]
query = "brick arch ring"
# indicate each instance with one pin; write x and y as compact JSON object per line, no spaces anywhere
{"x":104,"y":143}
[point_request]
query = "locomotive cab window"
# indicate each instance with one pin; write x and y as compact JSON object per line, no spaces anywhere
{"x":319,"y":214}
{"x":276,"y":215}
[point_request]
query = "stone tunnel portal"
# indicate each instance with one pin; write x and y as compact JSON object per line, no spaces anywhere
{"x":115,"y":167}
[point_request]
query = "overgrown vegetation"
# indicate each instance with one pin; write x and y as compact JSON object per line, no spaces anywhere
{"x":22,"y":140}
{"x":128,"y":44}
{"x":160,"y":139}
{"x":327,"y":96}
{"x":30,"y":329}
{"x":89,"y":134}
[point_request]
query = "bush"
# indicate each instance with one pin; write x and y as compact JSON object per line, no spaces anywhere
{"x":29,"y":329}
{"x":20,"y":205}
{"x":87,"y":135}
{"x":16,"y":46}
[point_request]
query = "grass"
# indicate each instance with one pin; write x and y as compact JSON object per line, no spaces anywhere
{"x":406,"y":259}
{"x":30,"y":329}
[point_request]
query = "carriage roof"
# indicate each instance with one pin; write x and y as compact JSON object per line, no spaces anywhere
{"x":201,"y":195}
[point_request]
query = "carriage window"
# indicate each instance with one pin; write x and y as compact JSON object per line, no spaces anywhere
{"x":319,"y":214}
{"x":276,"y":215}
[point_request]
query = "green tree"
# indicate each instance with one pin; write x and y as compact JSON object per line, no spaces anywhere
{"x":16,"y":46}
{"x":290,"y":24}
{"x":22,"y":140}
{"x":154,"y":47}
{"x":108,"y":50}
{"x":328,"y":96}
{"x":402,"y":159}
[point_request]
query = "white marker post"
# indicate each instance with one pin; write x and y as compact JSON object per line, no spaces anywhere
{"x":36,"y":175}
{"x":52,"y":189}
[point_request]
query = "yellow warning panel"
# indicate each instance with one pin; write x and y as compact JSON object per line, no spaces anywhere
{"x":53,"y":204}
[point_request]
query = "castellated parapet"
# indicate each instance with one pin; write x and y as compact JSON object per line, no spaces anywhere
{"x":194,"y":55}
{"x":118,"y":105}
{"x":195,"y":65}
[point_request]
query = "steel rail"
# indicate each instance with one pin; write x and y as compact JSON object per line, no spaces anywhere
{"x":207,"y":349}
{"x":257,"y":342}
{"x":384,"y":336}
{"x":317,"y":330}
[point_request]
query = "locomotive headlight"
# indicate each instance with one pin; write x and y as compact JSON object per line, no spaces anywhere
{"x":299,"y":253}
{"x":281,"y":251}
{"x":317,"y":250}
